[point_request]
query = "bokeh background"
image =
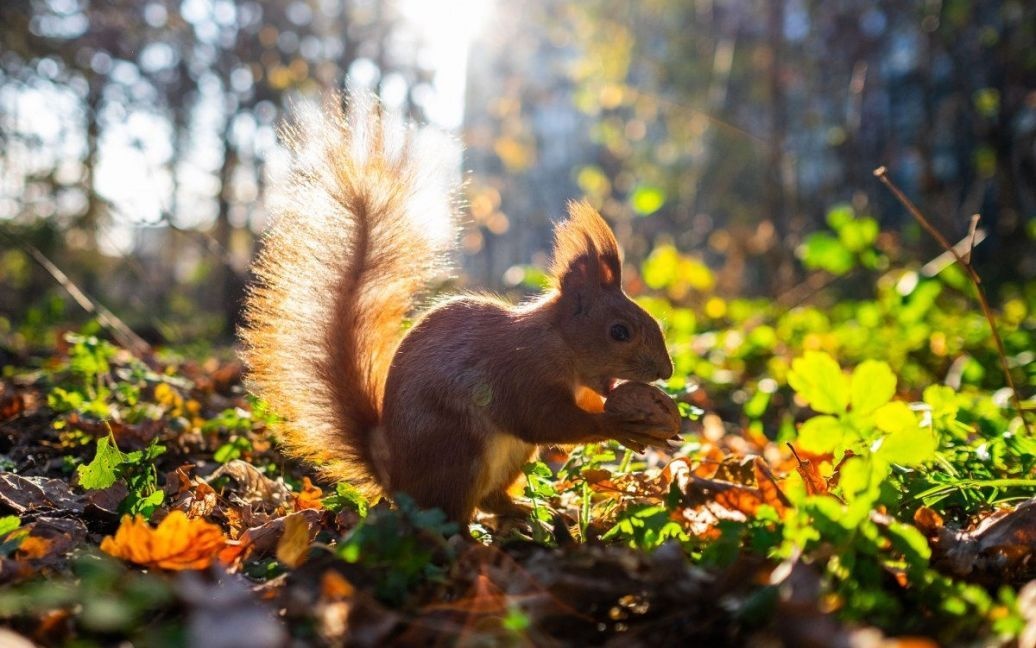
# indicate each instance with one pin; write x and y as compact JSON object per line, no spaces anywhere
{"x":731,"y":143}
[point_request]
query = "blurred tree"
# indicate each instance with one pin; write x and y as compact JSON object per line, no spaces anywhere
{"x":192,"y":89}
{"x":731,"y":127}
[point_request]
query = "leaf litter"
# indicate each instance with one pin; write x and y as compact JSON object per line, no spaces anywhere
{"x":193,"y":525}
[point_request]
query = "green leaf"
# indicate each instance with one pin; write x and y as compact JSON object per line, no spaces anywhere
{"x":873,"y":385}
{"x":840,"y":214}
{"x":136,"y":503}
{"x":660,"y":268}
{"x":821,"y":251}
{"x":100,"y":473}
{"x":908,"y":447}
{"x":857,"y":235}
{"x":232,"y":450}
{"x":515,"y":621}
{"x":821,"y":434}
{"x":647,"y":199}
{"x":854,"y":477}
{"x":818,"y":379}
{"x":895,"y":417}
{"x":347,"y":495}
{"x":910,"y":542}
{"x":9,"y":523}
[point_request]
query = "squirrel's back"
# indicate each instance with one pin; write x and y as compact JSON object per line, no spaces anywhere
{"x":361,"y":225}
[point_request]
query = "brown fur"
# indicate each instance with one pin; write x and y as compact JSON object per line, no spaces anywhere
{"x":450,"y":414}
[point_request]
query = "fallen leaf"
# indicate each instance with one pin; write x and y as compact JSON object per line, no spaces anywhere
{"x":815,"y":484}
{"x":33,"y":547}
{"x":768,"y":487}
{"x":294,"y":543}
{"x":998,"y":550}
{"x":309,"y":497}
{"x":711,"y":460}
{"x":335,"y":587}
{"x":22,"y":494}
{"x":928,"y":521}
{"x":836,"y":474}
{"x":11,"y":404}
{"x":255,"y":487}
{"x":263,"y":539}
{"x":45,"y":543}
{"x":178,"y":542}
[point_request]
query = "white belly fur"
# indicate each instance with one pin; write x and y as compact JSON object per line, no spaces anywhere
{"x":504,"y":456}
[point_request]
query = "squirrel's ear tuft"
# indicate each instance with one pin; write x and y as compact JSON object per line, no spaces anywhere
{"x":586,"y":254}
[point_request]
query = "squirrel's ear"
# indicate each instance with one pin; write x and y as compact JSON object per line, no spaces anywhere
{"x":586,"y":254}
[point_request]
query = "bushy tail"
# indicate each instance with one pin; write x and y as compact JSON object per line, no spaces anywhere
{"x":361,"y":227}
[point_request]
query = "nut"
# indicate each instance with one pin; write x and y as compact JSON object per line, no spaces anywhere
{"x":643,"y":403}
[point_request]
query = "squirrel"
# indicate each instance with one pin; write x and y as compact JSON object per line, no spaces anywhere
{"x":450,"y":409}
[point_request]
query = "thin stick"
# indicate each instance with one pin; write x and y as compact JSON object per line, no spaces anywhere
{"x":122,"y":333}
{"x":882,"y":174}
{"x":972,"y":230}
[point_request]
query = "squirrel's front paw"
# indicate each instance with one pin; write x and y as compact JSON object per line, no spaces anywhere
{"x":643,"y":416}
{"x":642,"y":410}
{"x":639,"y":441}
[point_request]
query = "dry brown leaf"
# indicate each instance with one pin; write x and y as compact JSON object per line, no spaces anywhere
{"x":11,"y":404}
{"x":23,"y":494}
{"x":263,"y":539}
{"x":178,"y":542}
{"x":999,"y":549}
{"x":255,"y":488}
{"x":836,"y":474}
{"x":711,"y":460}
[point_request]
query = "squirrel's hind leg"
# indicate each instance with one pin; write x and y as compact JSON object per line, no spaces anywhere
{"x":439,"y":466}
{"x":500,"y":504}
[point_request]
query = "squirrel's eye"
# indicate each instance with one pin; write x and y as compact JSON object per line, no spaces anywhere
{"x":619,"y":333}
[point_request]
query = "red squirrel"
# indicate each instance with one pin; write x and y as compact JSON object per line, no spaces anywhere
{"x":449,"y":410}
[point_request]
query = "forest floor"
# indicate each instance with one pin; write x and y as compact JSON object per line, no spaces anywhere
{"x":146,"y":500}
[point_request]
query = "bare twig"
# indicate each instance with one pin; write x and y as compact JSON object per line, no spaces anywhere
{"x":946,"y":259}
{"x":122,"y":333}
{"x":882,"y":174}
{"x":972,"y":229}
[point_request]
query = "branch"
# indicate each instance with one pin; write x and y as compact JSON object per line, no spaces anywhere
{"x":122,"y":333}
{"x":965,"y":261}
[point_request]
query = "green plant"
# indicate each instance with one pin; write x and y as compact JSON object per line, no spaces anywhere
{"x":136,"y":469}
{"x":403,"y":547}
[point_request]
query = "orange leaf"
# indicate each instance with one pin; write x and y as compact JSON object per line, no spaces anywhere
{"x":334,"y":586}
{"x":711,"y":459}
{"x":33,"y":547}
{"x":928,"y":521}
{"x":815,"y":484}
{"x":178,"y":542}
{"x":768,"y":488}
{"x":740,"y":498}
{"x":309,"y":496}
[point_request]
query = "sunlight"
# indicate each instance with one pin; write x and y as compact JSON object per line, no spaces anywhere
{"x":447,"y":29}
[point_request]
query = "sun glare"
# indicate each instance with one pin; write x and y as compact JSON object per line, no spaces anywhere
{"x":447,"y":28}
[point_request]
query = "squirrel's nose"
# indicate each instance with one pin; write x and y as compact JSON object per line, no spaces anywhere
{"x":665,"y":371}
